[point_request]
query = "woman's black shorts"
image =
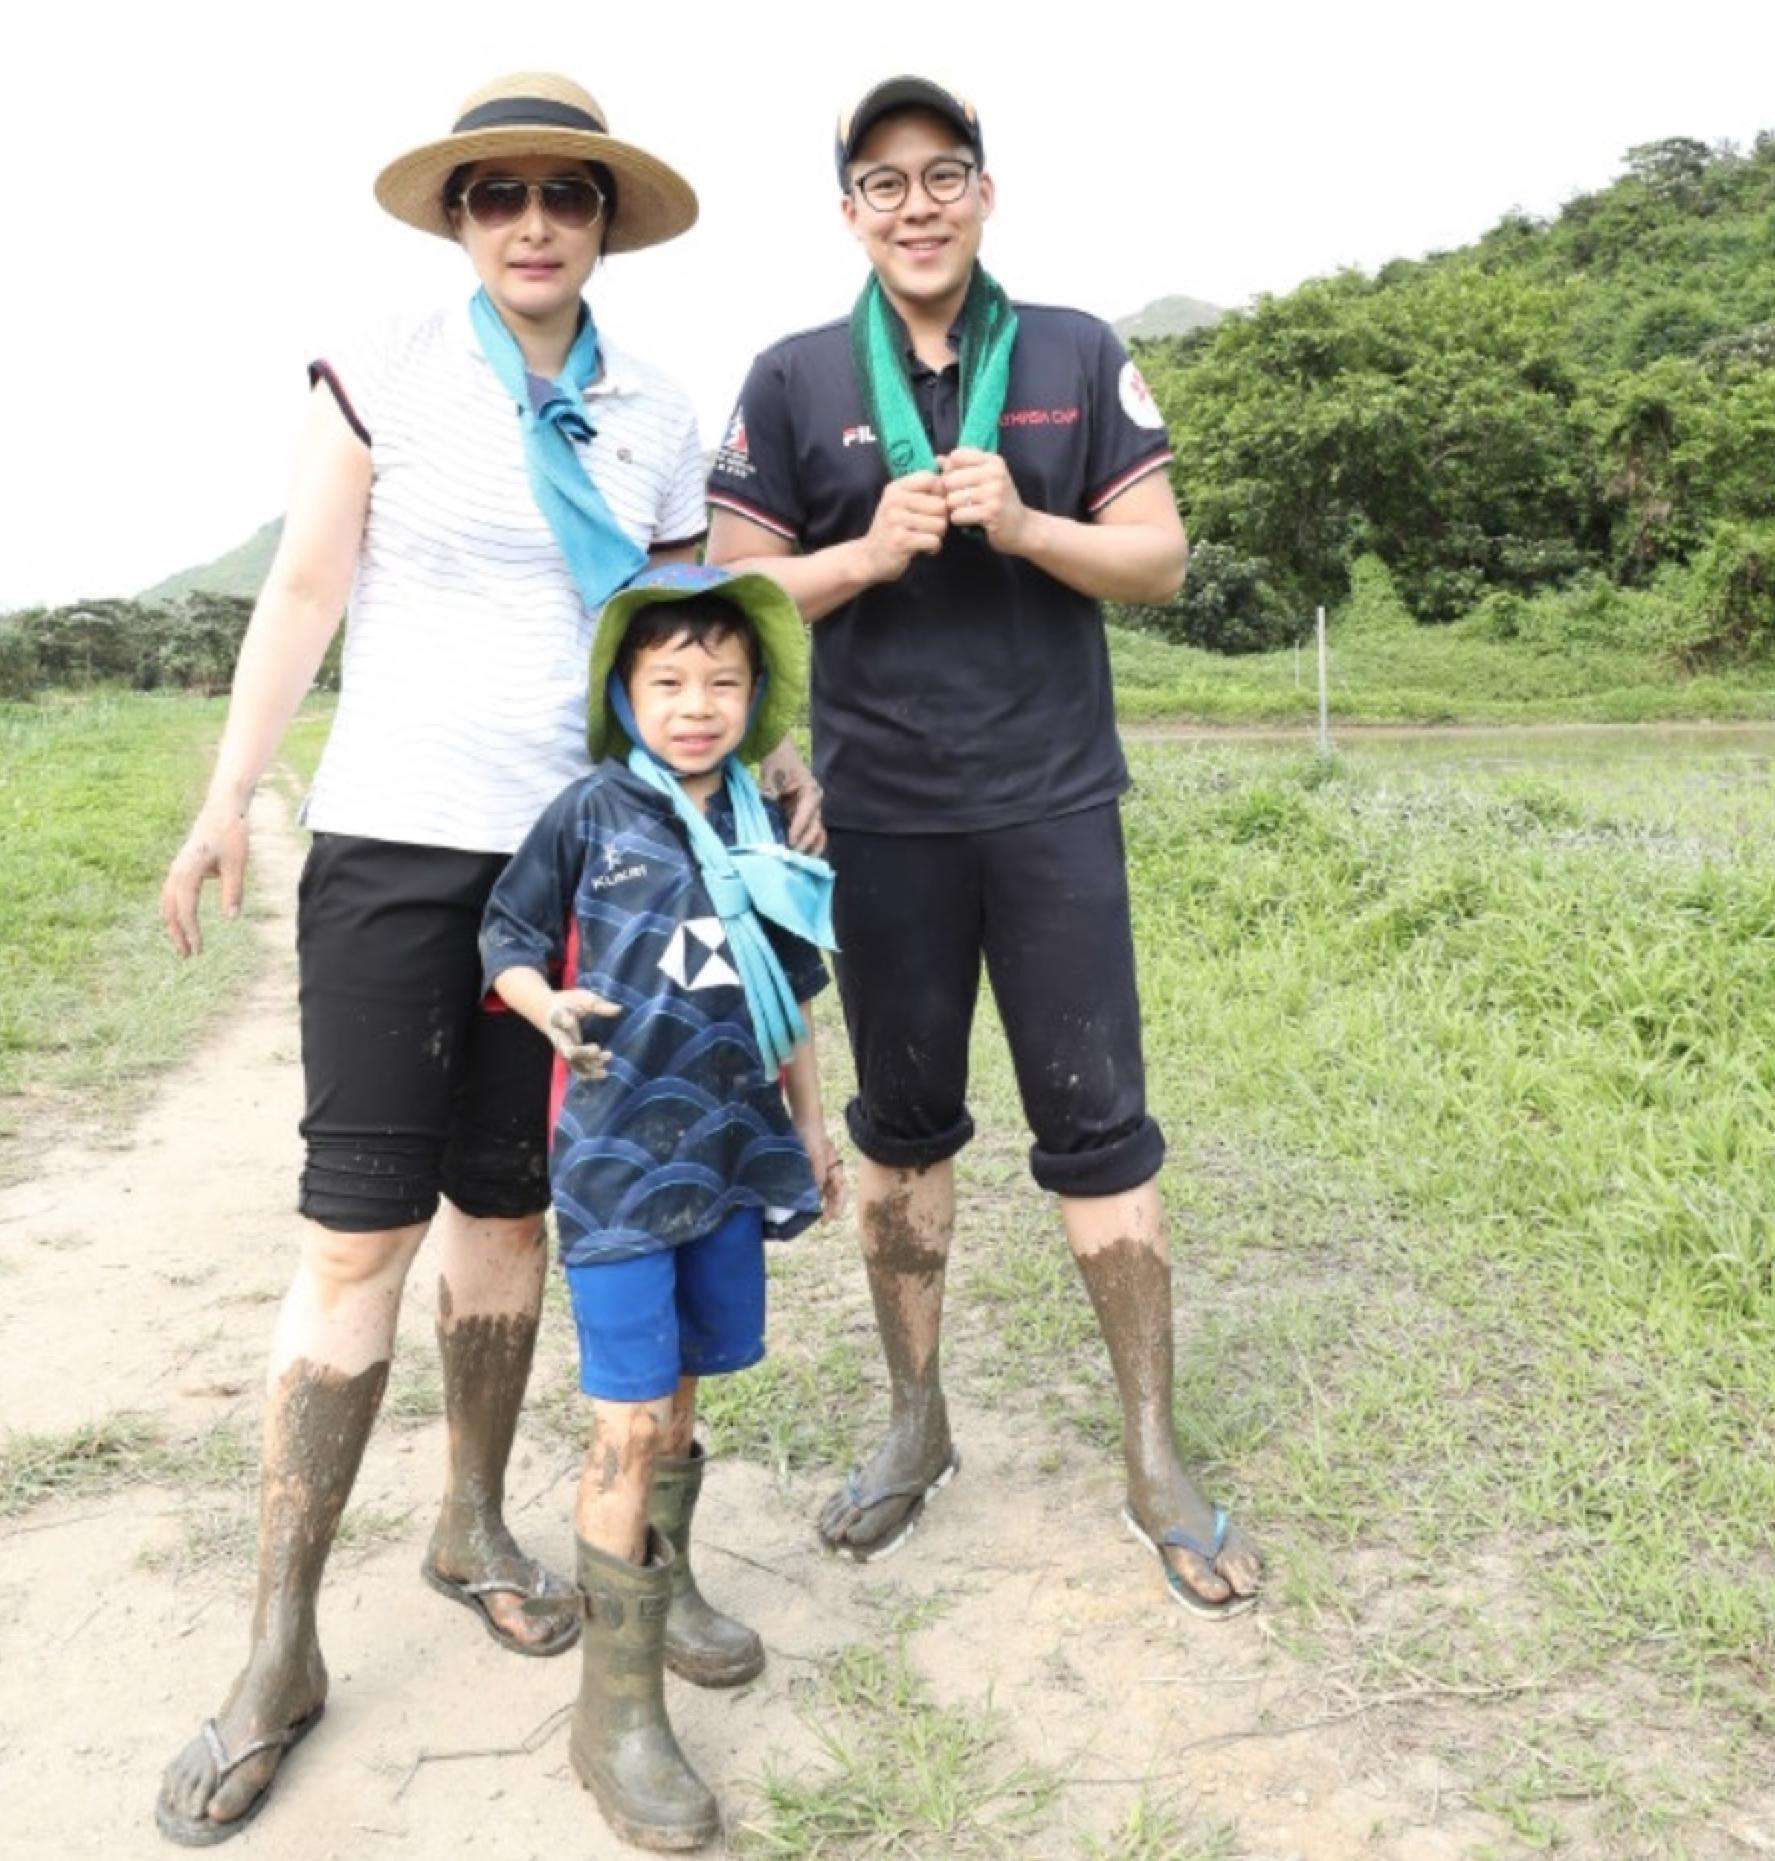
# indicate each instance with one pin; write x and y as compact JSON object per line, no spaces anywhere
{"x":1046,"y":906}
{"x":415,"y":1084}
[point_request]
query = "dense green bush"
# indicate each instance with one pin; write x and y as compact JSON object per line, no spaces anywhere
{"x":1587,"y":396}
{"x":1732,"y":612}
{"x":1374,"y":606}
{"x":1228,"y":605}
{"x":19,"y":673}
{"x":195,"y":644}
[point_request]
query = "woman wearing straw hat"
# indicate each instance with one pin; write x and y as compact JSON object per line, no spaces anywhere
{"x":478,"y":482}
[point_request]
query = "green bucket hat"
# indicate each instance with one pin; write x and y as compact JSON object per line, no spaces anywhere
{"x":782,"y":641}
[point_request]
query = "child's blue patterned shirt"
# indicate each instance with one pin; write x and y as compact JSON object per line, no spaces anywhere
{"x":605,"y":894}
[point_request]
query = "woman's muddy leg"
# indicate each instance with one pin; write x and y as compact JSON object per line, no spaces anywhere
{"x":907,"y":1218}
{"x":1119,"y":1244}
{"x":329,"y":1367}
{"x":490,"y":1279}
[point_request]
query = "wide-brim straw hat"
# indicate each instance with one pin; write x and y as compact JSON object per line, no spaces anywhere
{"x":782,"y":641}
{"x":541,"y":113}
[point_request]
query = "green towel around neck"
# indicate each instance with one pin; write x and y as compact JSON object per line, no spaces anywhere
{"x":878,"y":347}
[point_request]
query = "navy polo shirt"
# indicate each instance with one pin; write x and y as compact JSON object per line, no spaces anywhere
{"x":974,"y":692}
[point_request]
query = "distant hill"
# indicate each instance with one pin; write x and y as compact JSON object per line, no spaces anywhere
{"x":240,"y":572}
{"x":1169,"y":316}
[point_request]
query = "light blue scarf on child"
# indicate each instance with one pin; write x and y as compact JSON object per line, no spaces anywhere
{"x":755,"y":877}
{"x":601,"y":555}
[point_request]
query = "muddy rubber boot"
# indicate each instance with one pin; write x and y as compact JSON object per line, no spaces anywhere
{"x":702,"y":1645}
{"x":622,"y":1747}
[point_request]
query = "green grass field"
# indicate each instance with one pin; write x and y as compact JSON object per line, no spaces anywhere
{"x":1466,"y":1060}
{"x":1466,"y":1051}
{"x":1524,"y":1024}
{"x":96,"y":792}
{"x":1424,"y":675}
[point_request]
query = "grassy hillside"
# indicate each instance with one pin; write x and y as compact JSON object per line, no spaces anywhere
{"x":240,"y":572}
{"x":1588,"y":396}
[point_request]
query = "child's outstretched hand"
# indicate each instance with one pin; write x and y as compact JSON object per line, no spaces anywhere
{"x":583,"y":1059}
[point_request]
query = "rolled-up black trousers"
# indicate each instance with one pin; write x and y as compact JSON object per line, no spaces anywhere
{"x":1045,"y":905}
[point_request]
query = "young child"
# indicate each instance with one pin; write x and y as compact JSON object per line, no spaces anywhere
{"x":683,"y":936}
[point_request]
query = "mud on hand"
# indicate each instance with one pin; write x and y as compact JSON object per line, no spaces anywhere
{"x":583,"y":1059}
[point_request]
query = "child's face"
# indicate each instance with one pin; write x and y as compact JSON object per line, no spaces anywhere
{"x":691,"y":701}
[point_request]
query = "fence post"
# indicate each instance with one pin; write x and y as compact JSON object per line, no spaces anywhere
{"x":1324,"y":692}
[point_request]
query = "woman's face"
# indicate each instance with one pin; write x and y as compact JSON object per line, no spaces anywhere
{"x":533,"y":267}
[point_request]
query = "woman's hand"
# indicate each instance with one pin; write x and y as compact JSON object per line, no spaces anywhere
{"x":584,"y":1059}
{"x":216,"y":847}
{"x":789,"y":782}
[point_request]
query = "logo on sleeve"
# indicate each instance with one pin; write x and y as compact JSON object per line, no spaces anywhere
{"x":1137,"y":398}
{"x":735,"y":455}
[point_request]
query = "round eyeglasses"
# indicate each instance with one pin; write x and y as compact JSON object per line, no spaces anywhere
{"x":945,"y":181}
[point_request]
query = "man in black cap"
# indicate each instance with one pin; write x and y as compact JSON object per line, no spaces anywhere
{"x":948,"y":484}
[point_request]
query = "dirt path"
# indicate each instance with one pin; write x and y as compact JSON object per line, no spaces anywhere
{"x":142,"y":1278}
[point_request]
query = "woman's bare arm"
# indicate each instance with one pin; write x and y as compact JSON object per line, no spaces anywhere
{"x":293,"y":622}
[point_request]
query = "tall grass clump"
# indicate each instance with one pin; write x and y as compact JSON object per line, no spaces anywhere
{"x":1534,"y":1020}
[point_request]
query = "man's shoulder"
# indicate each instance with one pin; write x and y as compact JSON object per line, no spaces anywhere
{"x":1061,"y":323}
{"x":816,"y":344}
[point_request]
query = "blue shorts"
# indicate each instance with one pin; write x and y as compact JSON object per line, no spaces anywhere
{"x":696,"y":1309}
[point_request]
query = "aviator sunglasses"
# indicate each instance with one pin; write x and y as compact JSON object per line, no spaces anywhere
{"x":499,"y":200}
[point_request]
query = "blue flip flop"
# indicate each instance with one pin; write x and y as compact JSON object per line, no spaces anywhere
{"x":1176,"y":1538}
{"x":920,"y":1492}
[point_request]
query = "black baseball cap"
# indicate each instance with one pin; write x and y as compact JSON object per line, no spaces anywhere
{"x":905,"y":93}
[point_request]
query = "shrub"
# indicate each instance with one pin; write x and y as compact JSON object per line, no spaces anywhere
{"x":1500,"y":616}
{"x":89,"y":643}
{"x":19,"y":672}
{"x":1731,"y":610}
{"x":1374,"y":605}
{"x":1228,"y":605}
{"x":195,"y":644}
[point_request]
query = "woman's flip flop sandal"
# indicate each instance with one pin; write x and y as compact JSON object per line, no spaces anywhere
{"x":544,"y":1588}
{"x":205,"y":1831}
{"x":920,"y":1492}
{"x":1182,"y":1593}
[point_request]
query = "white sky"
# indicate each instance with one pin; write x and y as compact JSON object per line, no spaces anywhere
{"x":192,"y":216}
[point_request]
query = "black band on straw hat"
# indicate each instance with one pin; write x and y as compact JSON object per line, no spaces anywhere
{"x":529,"y":112}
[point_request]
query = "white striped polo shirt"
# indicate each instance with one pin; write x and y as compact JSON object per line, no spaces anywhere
{"x":463,"y":700}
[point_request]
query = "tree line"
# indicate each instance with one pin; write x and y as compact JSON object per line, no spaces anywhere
{"x":189,"y":644}
{"x":1566,"y":426}
{"x":1560,"y":434}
